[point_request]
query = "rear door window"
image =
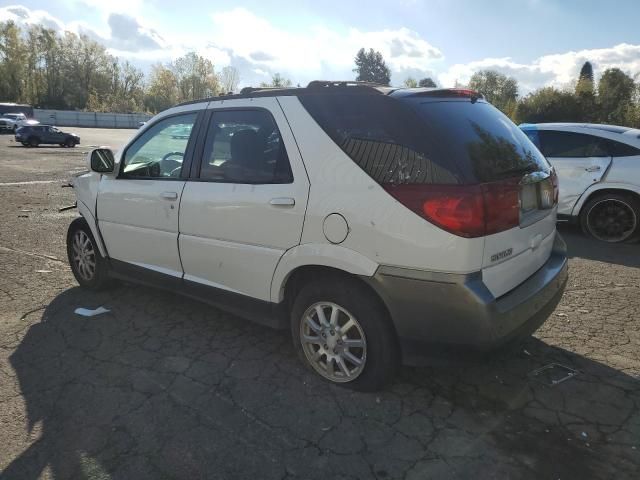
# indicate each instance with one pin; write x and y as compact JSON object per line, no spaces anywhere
{"x":556,"y":144}
{"x":245,"y":146}
{"x":619,"y":149}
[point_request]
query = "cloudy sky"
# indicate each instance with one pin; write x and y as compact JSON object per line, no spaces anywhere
{"x":540,"y":42}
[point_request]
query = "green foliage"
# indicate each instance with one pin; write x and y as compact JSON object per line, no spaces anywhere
{"x":548,"y":105}
{"x":371,"y":67}
{"x":46,"y":69}
{"x":411,"y":82}
{"x":278,"y":81}
{"x":616,"y":92}
{"x":427,"y":82}
{"x":498,"y":89}
{"x":586,"y":72}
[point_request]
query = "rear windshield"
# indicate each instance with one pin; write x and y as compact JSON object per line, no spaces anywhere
{"x":417,"y":141}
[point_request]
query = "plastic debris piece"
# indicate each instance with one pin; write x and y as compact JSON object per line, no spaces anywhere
{"x":584,"y":434}
{"x":87,"y":312}
{"x":553,"y":374}
{"x":526,"y":352}
{"x":561,"y":314}
{"x":43,"y":271}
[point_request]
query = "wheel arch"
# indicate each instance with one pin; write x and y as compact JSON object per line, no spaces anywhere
{"x":333,"y":258}
{"x":88,"y":217}
{"x":596,"y":190}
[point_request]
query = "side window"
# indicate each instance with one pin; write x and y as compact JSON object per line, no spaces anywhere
{"x":159,"y":151}
{"x":383,"y":137}
{"x":571,"y":145}
{"x":244,"y":146}
{"x":618,"y":149}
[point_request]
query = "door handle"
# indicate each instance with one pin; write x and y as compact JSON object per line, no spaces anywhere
{"x":169,"y":195}
{"x":594,"y":168}
{"x":283,"y":202}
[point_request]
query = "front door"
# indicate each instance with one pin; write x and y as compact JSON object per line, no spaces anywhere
{"x":137,"y":211}
{"x":245,"y":205}
{"x":580,"y":161}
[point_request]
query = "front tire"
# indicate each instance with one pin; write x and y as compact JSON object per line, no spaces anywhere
{"x":342,"y":332}
{"x":89,"y":267}
{"x":611,"y":217}
{"x":34,"y":142}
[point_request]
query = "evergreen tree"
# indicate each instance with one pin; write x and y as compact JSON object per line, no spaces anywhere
{"x":371,"y":67}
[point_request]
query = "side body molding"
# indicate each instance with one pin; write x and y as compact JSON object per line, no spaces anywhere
{"x":325,"y":255}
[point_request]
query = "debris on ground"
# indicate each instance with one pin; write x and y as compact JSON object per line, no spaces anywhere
{"x":553,"y":374}
{"x":44,"y":271}
{"x":87,"y":312}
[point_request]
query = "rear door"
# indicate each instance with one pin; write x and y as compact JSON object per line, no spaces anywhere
{"x":579,"y":159}
{"x":244,"y":204}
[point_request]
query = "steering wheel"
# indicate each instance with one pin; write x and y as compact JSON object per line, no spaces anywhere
{"x":171,"y":154}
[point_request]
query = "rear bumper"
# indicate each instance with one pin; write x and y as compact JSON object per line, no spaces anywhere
{"x":438,"y":314}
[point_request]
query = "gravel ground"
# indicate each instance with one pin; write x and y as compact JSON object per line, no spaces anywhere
{"x":164,"y":387}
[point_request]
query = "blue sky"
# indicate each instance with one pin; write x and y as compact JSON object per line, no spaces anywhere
{"x":540,"y":42}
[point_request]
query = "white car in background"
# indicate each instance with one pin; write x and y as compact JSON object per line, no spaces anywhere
{"x":598,"y":167}
{"x":13,"y":121}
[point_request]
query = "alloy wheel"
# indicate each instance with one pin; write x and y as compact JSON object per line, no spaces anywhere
{"x":611,"y":220}
{"x":333,"y":342}
{"x":84,"y":255}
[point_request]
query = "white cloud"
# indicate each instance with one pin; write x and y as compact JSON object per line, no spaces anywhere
{"x":24,"y":16}
{"x":558,"y":70}
{"x":318,"y":50}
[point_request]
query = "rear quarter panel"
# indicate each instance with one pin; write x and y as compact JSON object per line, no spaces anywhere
{"x":380,"y":228}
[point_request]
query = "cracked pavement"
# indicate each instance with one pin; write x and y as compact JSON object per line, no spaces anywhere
{"x":163,"y":387}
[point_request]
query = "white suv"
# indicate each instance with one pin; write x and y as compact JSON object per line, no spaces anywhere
{"x":381,"y":225}
{"x":599,"y":171}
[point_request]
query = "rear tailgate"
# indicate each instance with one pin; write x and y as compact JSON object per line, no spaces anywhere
{"x":512,"y":256}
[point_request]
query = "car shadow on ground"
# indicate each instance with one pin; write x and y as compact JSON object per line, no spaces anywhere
{"x":164,"y":387}
{"x":581,"y":246}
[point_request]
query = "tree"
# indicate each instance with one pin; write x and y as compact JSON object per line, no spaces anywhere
{"x":615,"y":94}
{"x":498,"y":89}
{"x":410,"y":83}
{"x":548,"y":105}
{"x":196,"y":77}
{"x":12,"y":67}
{"x":229,"y":79}
{"x":585,"y":93}
{"x":586,"y":72}
{"x":371,"y":67}
{"x":277,"y":81}
{"x":427,"y":82}
{"x":162,"y":89}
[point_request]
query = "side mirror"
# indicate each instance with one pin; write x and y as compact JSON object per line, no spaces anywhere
{"x":101,"y":160}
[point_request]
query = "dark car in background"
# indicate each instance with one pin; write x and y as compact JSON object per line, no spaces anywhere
{"x":34,"y":135}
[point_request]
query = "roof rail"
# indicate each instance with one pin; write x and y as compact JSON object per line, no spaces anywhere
{"x":343,"y":83}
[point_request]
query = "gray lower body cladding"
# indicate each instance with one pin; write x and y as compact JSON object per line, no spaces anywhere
{"x":437,"y":314}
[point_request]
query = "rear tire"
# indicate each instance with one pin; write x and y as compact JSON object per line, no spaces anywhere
{"x":611,"y":217}
{"x":25,"y":144}
{"x":355,"y":347}
{"x":88,"y":266}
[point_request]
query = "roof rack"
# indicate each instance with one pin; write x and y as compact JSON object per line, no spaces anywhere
{"x":343,"y":83}
{"x":312,"y":87}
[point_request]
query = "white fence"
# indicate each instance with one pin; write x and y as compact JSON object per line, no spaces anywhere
{"x":70,"y":118}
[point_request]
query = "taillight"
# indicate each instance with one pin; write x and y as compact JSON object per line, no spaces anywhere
{"x":464,"y":210}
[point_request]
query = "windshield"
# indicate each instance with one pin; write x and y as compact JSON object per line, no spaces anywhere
{"x":485,"y":144}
